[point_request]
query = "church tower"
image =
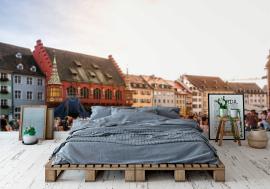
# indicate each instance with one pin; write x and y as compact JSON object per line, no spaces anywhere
{"x":54,"y":85}
{"x":267,"y":67}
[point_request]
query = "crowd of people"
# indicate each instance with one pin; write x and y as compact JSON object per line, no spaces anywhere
{"x":6,"y":125}
{"x":255,"y":120}
{"x":63,"y":124}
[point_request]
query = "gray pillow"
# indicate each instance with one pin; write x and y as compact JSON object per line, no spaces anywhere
{"x":100,"y":111}
{"x":170,"y":112}
{"x":148,"y":109}
{"x":118,"y":109}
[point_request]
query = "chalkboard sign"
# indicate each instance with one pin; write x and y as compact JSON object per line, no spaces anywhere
{"x":34,"y":116}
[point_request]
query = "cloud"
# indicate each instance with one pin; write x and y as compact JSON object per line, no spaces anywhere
{"x":165,"y":38}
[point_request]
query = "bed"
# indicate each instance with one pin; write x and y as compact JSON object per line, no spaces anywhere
{"x":132,"y":136}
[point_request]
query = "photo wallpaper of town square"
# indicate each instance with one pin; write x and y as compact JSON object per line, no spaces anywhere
{"x":134,"y":94}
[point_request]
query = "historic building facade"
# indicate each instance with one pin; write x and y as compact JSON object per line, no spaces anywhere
{"x":94,"y":80}
{"x":254,"y":96}
{"x":5,"y":91}
{"x":182,"y":97}
{"x":201,"y":86}
{"x":142,"y":92}
{"x":23,"y":83}
{"x":163,"y":93}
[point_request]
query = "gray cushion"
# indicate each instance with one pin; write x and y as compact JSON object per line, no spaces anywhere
{"x":170,"y":112}
{"x":100,"y":111}
{"x":118,"y":109}
{"x":148,"y":109}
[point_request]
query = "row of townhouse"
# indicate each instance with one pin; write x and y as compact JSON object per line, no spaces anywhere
{"x":21,"y":81}
{"x":49,"y":76}
{"x":156,"y":91}
{"x":201,"y":86}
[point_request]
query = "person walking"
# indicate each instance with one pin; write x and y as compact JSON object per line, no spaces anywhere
{"x":252,"y":120}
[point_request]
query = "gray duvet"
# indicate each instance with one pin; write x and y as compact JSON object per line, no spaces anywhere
{"x":135,"y":137}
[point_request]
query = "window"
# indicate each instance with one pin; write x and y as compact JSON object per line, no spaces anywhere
{"x":84,"y":92}
{"x":118,"y":95}
{"x":29,"y":95}
{"x":97,"y":93}
{"x":20,"y":66}
{"x":17,"y":94}
{"x":40,"y":96}
{"x":33,"y":69}
{"x":159,"y":100}
{"x":17,"y":111}
{"x":164,"y":101}
{"x":29,"y":80}
{"x":4,"y":103}
{"x":71,"y":91}
{"x":108,"y":94}
{"x":17,"y":79}
{"x":3,"y":88}
{"x":18,"y":55}
{"x":55,"y":92}
{"x":39,"y":82}
{"x":3,"y":77}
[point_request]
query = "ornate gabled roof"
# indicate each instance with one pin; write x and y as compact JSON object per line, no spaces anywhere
{"x":54,"y":77}
{"x":78,"y":67}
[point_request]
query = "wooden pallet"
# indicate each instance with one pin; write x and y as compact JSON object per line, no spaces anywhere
{"x":134,"y":172}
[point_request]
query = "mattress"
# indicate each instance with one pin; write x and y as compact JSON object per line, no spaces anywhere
{"x":135,"y":137}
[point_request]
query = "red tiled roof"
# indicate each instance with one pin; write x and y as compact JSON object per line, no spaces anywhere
{"x":245,"y":87}
{"x":207,"y":82}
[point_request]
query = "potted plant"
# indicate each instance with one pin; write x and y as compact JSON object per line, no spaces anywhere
{"x":234,"y":113}
{"x":29,"y":135}
{"x":223,"y":106}
{"x":257,"y":138}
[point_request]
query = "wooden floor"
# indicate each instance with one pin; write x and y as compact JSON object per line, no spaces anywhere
{"x":22,"y":167}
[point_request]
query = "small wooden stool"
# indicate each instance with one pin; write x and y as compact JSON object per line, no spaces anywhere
{"x":221,"y":130}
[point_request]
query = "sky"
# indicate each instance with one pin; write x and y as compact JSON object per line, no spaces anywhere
{"x":167,"y":38}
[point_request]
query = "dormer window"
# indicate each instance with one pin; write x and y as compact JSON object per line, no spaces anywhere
{"x":33,"y":69}
{"x":77,"y":63}
{"x":20,"y":66}
{"x":18,"y":55}
{"x":95,"y":66}
{"x":109,"y":76}
{"x":92,"y":74}
{"x":73,"y":71}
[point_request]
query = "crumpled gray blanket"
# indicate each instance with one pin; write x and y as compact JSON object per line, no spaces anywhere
{"x":133,"y":129}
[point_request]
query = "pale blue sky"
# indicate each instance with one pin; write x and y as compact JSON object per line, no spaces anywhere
{"x":228,"y":38}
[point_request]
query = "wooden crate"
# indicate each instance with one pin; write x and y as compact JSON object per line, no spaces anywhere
{"x":135,"y":172}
